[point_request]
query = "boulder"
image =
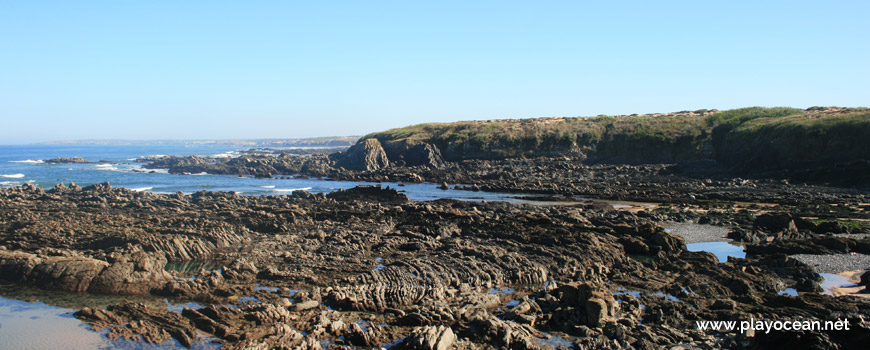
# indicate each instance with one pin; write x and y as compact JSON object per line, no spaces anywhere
{"x":586,"y":304}
{"x":774,"y":222}
{"x":136,"y":273}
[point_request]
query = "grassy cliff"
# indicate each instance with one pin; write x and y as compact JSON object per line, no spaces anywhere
{"x":756,"y":138}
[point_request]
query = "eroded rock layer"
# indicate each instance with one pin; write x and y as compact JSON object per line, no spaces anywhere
{"x":367,"y":267}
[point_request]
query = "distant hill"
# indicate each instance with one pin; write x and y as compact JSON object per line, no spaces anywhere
{"x":332,"y":141}
{"x":754,"y":139}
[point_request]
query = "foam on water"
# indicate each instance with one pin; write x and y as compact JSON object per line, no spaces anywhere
{"x":141,"y":189}
{"x":28,"y":161}
{"x":106,"y":167}
{"x":271,"y":186}
{"x":12,"y":176}
{"x":291,"y":189}
{"x":229,"y":154}
{"x":9,"y":183}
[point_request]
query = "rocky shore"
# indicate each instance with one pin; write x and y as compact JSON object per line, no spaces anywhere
{"x":367,"y":268}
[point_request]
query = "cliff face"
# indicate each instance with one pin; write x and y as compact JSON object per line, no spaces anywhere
{"x":814,"y":145}
{"x":804,"y":143}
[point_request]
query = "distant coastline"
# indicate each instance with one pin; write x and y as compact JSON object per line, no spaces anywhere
{"x":329,"y":141}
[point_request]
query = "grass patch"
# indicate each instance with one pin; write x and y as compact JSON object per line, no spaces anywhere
{"x":750,"y":138}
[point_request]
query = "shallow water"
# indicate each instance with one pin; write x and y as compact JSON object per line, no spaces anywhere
{"x":722,"y":250}
{"x":33,"y":318}
{"x":190,"y":268}
{"x":556,"y":342}
{"x":21,"y":164}
{"x":789,"y":292}
{"x":37,"y":325}
{"x":831,"y":281}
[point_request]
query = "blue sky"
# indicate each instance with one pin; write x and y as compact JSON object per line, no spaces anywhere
{"x":281,"y":69}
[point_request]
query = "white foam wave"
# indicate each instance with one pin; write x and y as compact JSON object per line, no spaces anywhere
{"x":28,"y":161}
{"x":104,"y":165}
{"x":230,"y":154}
{"x":12,"y":176}
{"x":291,"y":189}
{"x":109,"y":167}
{"x":159,"y":171}
{"x":141,"y":189}
{"x":9,"y":183}
{"x":272,"y":186}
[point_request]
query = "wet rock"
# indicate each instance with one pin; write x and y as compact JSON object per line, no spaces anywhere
{"x":135,"y":320}
{"x":370,"y":193}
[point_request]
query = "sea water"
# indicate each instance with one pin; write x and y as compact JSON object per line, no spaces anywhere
{"x":25,"y":164}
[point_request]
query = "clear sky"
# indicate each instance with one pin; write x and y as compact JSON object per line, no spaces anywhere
{"x":284,"y":69}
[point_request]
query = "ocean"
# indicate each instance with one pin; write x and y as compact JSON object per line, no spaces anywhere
{"x":118,"y":166}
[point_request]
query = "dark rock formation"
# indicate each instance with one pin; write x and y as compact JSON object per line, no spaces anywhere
{"x":369,"y":193}
{"x":366,"y":155}
{"x":67,"y":160}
